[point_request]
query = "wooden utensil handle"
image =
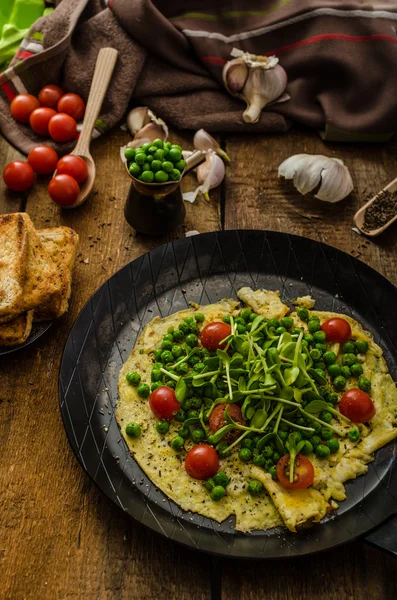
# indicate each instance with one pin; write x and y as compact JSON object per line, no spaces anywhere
{"x":104,"y":67}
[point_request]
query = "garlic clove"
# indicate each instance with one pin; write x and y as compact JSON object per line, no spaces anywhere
{"x":204,"y":141}
{"x":137,"y":118}
{"x":210,"y":174}
{"x":263,"y":85}
{"x":308,"y":171}
{"x":149,"y":133}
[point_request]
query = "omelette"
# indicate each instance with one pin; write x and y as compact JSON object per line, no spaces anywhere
{"x":278,"y":422}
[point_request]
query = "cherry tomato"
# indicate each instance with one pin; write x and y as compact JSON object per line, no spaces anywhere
{"x":357,"y":406}
{"x":201,"y":462}
{"x":303,"y":472}
{"x":74,"y":166}
{"x":213,"y":334}
{"x":22,"y":106}
{"x":218,"y":420}
{"x":72,"y":105}
{"x":18,"y":176}
{"x":49,"y":95}
{"x":40,"y":118}
{"x":337,"y":330}
{"x":163,"y":403}
{"x":43,"y":160}
{"x":63,"y":190}
{"x":62,"y":127}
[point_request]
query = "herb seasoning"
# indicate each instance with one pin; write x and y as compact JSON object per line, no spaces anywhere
{"x":381,"y":211}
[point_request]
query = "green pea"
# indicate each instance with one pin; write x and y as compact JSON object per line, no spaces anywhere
{"x":176,"y":351}
{"x":167,"y":145}
{"x":178,"y":335}
{"x":159,"y":155}
{"x":218,"y":492}
{"x":168,"y":337}
{"x":133,"y":378}
{"x":333,"y":398}
{"x":155,"y":385}
{"x":280,"y":330}
{"x":152,"y":149}
{"x":296,"y":331}
{"x":322,"y":451}
{"x":319,"y":336}
{"x":315,"y":440}
{"x":320,"y":372}
{"x":192,"y":413}
{"x":345,"y":371}
{"x":245,"y":454}
{"x":167,"y":357}
{"x":140,"y":158}
{"x":273,"y":472}
{"x":175,"y":154}
{"x":356,"y":370}
{"x":145,"y":167}
{"x":268,"y":452}
{"x":175,"y":175}
{"x":156,"y":375}
{"x":143,"y":390}
{"x":158,"y":143}
{"x":222,"y":449}
{"x":348,"y":359}
{"x":273,"y":323}
{"x":314,"y":317}
{"x":245,"y":313}
{"x":226,"y":319}
{"x":353,"y":435}
{"x":161,"y":176}
{"x":199,"y":367}
{"x":191,"y":340}
{"x":307,"y":434}
{"x":241,"y":329}
{"x":221,"y":479}
{"x":145,"y":147}
{"x":134,"y":169}
{"x":276,"y":457}
{"x":170,"y":383}
{"x":320,"y":364}
{"x":198,"y":435}
{"x":162,"y":427}
{"x":287,"y":322}
{"x":182,"y":369}
{"x":333,"y":445}
{"x":199,"y":317}
{"x":349,"y":348}
{"x":180,"y":416}
{"x":147,"y":176}
{"x":255,"y":487}
{"x":364,"y":384}
{"x":339,"y":382}
{"x":259,"y":460}
{"x":247,"y":443}
{"x":315,"y":354}
{"x":362,"y":346}
{"x":197,"y":402}
{"x":166,"y":344}
{"x":133,"y":430}
{"x":303,"y":313}
{"x":239,"y":321}
{"x":329,"y":357}
{"x":326,"y":434}
{"x":307,"y":448}
{"x":129,"y":153}
{"x":322,"y":347}
{"x":268,"y":464}
{"x":313,"y":325}
{"x":166,"y":166}
{"x":334,"y":370}
{"x":184,"y":432}
{"x":177,"y":443}
{"x":156,"y":165}
{"x":308,"y":338}
{"x":149,"y":158}
{"x":209,"y":484}
{"x":326,"y":416}
{"x":180,"y":165}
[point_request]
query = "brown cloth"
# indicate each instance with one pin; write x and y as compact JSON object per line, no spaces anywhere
{"x":340,"y":57}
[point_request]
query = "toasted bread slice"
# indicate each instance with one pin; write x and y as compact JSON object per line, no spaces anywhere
{"x":13,"y":262}
{"x":16,"y":331}
{"x":61,"y":245}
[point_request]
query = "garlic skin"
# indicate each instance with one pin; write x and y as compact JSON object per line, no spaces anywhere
{"x":308,"y":170}
{"x":204,"y":141}
{"x":210,"y":174}
{"x":145,"y":127}
{"x":259,"y":80}
{"x":137,"y":118}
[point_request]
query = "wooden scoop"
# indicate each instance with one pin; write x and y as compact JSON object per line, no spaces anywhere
{"x":104,"y":67}
{"x":360,"y":214}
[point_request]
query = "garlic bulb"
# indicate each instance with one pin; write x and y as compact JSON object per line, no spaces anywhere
{"x":210,"y":174}
{"x":204,"y":141}
{"x":308,"y":171}
{"x":145,"y":127}
{"x":259,"y":80}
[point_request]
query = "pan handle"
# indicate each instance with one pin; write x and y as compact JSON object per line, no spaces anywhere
{"x":385,"y":536}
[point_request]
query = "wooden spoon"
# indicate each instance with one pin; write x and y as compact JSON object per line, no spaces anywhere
{"x":104,"y":67}
{"x":360,"y":214}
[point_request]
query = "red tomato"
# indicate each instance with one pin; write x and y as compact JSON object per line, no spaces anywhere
{"x":62,"y":127}
{"x":201,"y":462}
{"x":357,"y":406}
{"x":213,"y":334}
{"x":218,"y":420}
{"x":72,"y":105}
{"x":43,"y":160}
{"x":163,"y":403}
{"x":22,"y":106}
{"x":63,"y":190}
{"x":18,"y":176}
{"x":40,"y":118}
{"x":74,"y":166}
{"x":337,"y":330}
{"x":303,"y":472}
{"x":49,"y":95}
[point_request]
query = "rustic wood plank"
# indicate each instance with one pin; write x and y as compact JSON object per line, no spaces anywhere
{"x":60,"y":537}
{"x":257,"y":199}
{"x":9,"y":201}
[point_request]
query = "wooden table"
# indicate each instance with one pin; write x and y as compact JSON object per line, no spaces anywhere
{"x":60,"y":537}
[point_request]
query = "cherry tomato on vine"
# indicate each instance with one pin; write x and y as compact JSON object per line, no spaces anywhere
{"x":303,"y":472}
{"x":357,"y":406}
{"x":163,"y":403}
{"x":74,"y":166}
{"x":43,"y":160}
{"x":213,"y":333}
{"x":202,"y":462}
{"x":22,"y":106}
{"x":40,"y":118}
{"x":62,"y":127}
{"x":18,"y":176}
{"x":337,"y":330}
{"x":50,"y":95}
{"x":63,"y":190}
{"x":72,"y":105}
